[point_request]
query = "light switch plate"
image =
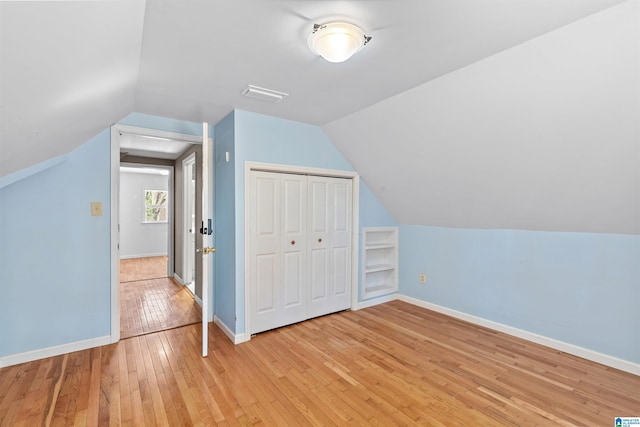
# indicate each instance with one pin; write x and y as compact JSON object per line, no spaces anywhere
{"x":96,"y":208}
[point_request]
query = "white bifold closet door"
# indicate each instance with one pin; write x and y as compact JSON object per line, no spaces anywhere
{"x":300,"y":248}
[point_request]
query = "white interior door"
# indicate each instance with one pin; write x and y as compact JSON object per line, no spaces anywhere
{"x":207,"y":236}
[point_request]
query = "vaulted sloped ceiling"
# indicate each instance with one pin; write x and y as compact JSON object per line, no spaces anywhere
{"x":70,"y":69}
{"x":543,"y":136}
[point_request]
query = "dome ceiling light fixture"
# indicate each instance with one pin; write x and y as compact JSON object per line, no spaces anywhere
{"x":337,"y":41}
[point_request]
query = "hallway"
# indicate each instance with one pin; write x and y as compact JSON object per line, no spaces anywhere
{"x":150,"y":301}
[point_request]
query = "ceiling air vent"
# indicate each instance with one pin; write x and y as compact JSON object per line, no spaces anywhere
{"x":264,"y":94}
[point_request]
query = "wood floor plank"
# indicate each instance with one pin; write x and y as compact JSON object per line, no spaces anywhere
{"x":135,"y":269}
{"x":150,"y":301}
{"x":393,"y":364}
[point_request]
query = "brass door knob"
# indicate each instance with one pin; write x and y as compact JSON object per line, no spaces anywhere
{"x":320,"y":240}
{"x":205,"y":251}
{"x":293,"y":242}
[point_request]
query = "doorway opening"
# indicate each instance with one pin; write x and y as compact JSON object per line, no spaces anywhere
{"x":152,"y":293}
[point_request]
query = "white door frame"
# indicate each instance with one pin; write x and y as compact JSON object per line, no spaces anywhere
{"x":303,"y":170}
{"x":115,"y":235}
{"x":190,"y":159}
{"x":116,"y":130}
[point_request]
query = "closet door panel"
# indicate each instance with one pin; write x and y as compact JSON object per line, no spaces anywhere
{"x":294,"y":245}
{"x":265,"y":253}
{"x":265,"y":218}
{"x":341,"y":213}
{"x":318,"y":274}
{"x":277,"y":217}
{"x":265,"y":283}
{"x":319,"y":205}
{"x":341,"y":273}
{"x":293,"y":280}
{"x":331,"y":235}
{"x":319,"y":237}
{"x":341,"y":230}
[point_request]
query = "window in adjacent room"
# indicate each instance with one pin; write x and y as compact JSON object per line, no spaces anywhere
{"x":155,"y":205}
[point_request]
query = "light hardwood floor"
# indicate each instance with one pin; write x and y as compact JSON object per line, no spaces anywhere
{"x":393,"y":364}
{"x":132,"y":269}
{"x":155,"y":304}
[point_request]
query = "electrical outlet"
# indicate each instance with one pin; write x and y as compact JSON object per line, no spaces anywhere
{"x":423,"y":278}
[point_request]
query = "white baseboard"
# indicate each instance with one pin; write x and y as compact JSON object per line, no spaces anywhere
{"x":178,"y":278}
{"x":235,"y":338}
{"x":594,"y":356}
{"x":28,"y":356}
{"x":198,"y":300}
{"x":142,"y":255}
{"x":375,"y":301}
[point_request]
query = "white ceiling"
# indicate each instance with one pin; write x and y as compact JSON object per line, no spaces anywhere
{"x":68,"y":70}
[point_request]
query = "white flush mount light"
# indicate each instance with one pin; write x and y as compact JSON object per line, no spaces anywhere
{"x":337,"y":41}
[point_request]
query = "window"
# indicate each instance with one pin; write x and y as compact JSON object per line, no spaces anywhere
{"x":155,"y":205}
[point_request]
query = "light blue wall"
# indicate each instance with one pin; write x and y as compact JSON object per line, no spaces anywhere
{"x":54,"y":256}
{"x":224,"y":232}
{"x":268,"y":139}
{"x":582,"y":289}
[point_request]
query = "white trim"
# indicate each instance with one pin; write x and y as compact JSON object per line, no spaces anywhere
{"x":594,"y":356}
{"x":143,"y":255}
{"x":178,"y":279}
{"x":236,"y":339}
{"x":190,"y":159}
{"x":303,"y":170}
{"x":375,"y":301}
{"x":56,"y":350}
{"x":355,"y":238}
{"x":197,"y":299}
{"x":115,"y":235}
{"x":135,"y":130}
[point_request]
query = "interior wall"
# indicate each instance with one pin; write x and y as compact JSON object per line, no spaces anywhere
{"x":179,"y":213}
{"x":255,"y":137}
{"x":137,"y":238}
{"x":225,"y":225}
{"x":578,"y":288}
{"x":54,"y":255}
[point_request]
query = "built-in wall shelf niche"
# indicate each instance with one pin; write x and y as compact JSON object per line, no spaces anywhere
{"x":380,"y":261}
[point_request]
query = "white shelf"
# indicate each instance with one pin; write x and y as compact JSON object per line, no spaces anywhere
{"x":379,"y":267}
{"x":380,"y":246}
{"x":380,"y":261}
